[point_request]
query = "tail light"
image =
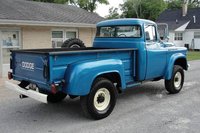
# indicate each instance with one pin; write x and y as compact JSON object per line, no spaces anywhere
{"x":53,"y":88}
{"x":10,"y":75}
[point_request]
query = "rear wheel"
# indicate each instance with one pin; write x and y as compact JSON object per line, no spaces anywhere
{"x":175,"y":84}
{"x":101,"y":100}
{"x":58,"y":97}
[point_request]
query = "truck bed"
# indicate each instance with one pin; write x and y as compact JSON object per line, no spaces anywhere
{"x":46,"y":66}
{"x":53,"y":51}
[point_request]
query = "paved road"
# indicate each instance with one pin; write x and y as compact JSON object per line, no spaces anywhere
{"x":145,"y":109}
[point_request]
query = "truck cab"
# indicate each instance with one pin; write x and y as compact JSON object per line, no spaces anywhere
{"x":125,"y":53}
{"x":154,"y":55}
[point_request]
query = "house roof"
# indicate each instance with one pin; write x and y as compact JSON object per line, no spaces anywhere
{"x":175,"y":19}
{"x":46,"y":13}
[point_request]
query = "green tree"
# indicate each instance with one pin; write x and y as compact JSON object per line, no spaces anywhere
{"x":113,"y":13}
{"x":196,"y":3}
{"x":148,"y":9}
{"x":89,"y":5}
{"x":174,"y":4}
{"x":177,"y":4}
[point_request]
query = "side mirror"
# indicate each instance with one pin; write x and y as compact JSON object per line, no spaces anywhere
{"x":147,"y":36}
{"x":167,"y":38}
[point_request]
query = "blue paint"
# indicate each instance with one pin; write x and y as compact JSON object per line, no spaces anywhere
{"x":78,"y":74}
{"x":133,"y":59}
{"x":172,"y":57}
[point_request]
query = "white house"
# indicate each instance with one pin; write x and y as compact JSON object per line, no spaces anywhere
{"x":184,"y":26}
{"x":28,"y":25}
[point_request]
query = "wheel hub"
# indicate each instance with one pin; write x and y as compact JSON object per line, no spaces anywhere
{"x":177,"y":80}
{"x":102,"y":99}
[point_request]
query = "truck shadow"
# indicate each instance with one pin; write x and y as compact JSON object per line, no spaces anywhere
{"x":150,"y":89}
{"x":70,"y":109}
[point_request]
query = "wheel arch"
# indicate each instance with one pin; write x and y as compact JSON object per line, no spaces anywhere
{"x":114,"y":77}
{"x":181,"y":62}
{"x":79,"y":78}
{"x":176,"y":59}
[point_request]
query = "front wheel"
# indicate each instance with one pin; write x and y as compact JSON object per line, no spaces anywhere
{"x":101,"y":100}
{"x":175,"y":84}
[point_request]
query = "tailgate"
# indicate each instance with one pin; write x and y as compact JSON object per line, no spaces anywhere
{"x":30,"y":67}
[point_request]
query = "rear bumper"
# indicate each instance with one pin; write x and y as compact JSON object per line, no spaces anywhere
{"x":188,"y":66}
{"x":30,"y":93}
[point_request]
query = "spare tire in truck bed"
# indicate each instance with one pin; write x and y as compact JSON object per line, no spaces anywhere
{"x":73,"y":43}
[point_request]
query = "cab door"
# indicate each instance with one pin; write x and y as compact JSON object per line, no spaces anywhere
{"x":156,"y":54}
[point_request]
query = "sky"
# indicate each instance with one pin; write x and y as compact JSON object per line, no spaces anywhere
{"x":102,"y":9}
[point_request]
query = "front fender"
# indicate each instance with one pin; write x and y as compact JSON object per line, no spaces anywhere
{"x":171,"y":63}
{"x":80,"y":76}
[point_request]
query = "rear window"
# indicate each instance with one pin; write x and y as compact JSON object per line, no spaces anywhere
{"x":119,"y":31}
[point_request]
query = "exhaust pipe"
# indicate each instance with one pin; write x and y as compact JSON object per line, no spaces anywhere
{"x":21,"y":96}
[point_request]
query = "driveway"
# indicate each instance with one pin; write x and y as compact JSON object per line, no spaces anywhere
{"x":144,"y":109}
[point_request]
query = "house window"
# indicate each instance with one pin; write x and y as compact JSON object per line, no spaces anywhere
{"x":196,"y":34}
{"x":178,"y":36}
{"x":59,"y":36}
{"x":70,"y":34}
{"x":9,"y":40}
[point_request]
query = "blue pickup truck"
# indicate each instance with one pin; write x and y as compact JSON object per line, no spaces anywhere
{"x":125,"y":53}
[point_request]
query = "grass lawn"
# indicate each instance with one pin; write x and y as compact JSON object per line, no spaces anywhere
{"x":193,"y":55}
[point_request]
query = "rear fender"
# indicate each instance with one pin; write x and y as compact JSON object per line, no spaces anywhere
{"x":172,"y":61}
{"x":80,"y":76}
